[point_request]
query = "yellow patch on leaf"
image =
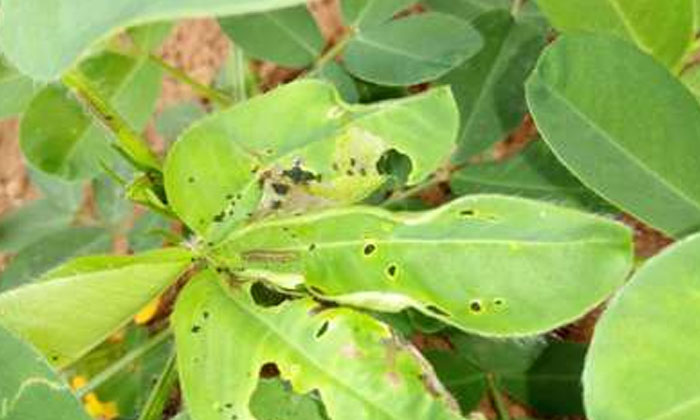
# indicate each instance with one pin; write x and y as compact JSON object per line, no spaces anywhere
{"x":92,"y":404}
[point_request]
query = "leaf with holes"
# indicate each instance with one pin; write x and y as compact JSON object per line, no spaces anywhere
{"x":481,"y":263}
{"x":643,"y":359}
{"x":638,"y":155}
{"x":289,"y":37}
{"x":317,"y":152}
{"x":26,"y":27}
{"x":360,"y":370}
{"x":411,"y":50}
{"x":666,"y":33}
{"x":30,"y":389}
{"x":74,"y":307}
{"x":59,"y":137}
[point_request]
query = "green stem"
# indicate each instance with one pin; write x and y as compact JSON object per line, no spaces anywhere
{"x":499,"y":404}
{"x":129,"y":142}
{"x":332,"y":53}
{"x":122,"y":363}
{"x":212,"y":94}
{"x":153,"y":409}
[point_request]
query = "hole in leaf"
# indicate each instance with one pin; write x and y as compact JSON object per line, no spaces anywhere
{"x":392,"y":270}
{"x":322,"y":330}
{"x":369,"y":249}
{"x":475,"y":306}
{"x":499,"y":302}
{"x":312,"y":247}
{"x":467,"y":213}
{"x":190,"y":179}
{"x":269,"y":370}
{"x":196,"y":329}
{"x":395,"y":164}
{"x":265,"y":296}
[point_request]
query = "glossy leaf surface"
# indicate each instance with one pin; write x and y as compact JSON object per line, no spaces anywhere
{"x":623,"y":125}
{"x":480,"y":263}
{"x":317,"y":152}
{"x":76,"y":306}
{"x":360,"y":371}
{"x":643,"y":361}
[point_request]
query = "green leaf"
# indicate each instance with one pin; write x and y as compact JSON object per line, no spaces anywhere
{"x":360,"y":371}
{"x":289,"y":37}
{"x":662,"y":28}
{"x":534,"y":173}
{"x":30,"y":389}
{"x":58,"y":137}
{"x":151,"y":36}
{"x":317,"y":151}
{"x":147,"y":232}
{"x":359,"y":14}
{"x":489,"y":87}
{"x":50,"y":251}
{"x":30,"y":222}
{"x":643,"y":360}
{"x":466,"y":382}
{"x":41,"y":39}
{"x":76,"y":306}
{"x":691,"y":79}
{"x":16,"y":90}
{"x":481,"y":263}
{"x":273,"y":400}
{"x":411,"y":50}
{"x":596,"y":101}
{"x":552,"y":385}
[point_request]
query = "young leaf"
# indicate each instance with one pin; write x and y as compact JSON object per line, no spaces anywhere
{"x":623,"y":125}
{"x":411,"y":50}
{"x":50,"y":251}
{"x":481,"y":263}
{"x":58,"y":137}
{"x":317,"y":151}
{"x":643,"y":359}
{"x":533,"y":173}
{"x":359,"y":369}
{"x":26,"y":27}
{"x":552,"y":385}
{"x":16,"y":90}
{"x":667,"y":33}
{"x":76,"y":306}
{"x":489,"y":87}
{"x":30,"y":389}
{"x":289,"y":37}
